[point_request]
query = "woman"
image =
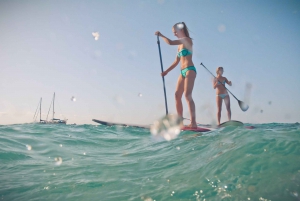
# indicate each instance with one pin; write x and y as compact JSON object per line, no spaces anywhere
{"x":222,"y":94}
{"x":186,"y":80}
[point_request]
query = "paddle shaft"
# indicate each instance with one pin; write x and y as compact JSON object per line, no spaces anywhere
{"x":220,"y":82}
{"x":163,"y":78}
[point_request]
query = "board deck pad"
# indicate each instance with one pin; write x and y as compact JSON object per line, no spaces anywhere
{"x":198,"y":129}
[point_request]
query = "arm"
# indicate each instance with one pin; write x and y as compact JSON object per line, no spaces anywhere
{"x":215,"y":83}
{"x":174,"y":64}
{"x":168,"y":41}
{"x":228,"y":82}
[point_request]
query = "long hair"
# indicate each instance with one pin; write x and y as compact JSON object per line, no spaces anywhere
{"x":182,"y":25}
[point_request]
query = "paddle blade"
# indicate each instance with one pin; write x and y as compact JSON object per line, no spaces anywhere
{"x":243,"y":106}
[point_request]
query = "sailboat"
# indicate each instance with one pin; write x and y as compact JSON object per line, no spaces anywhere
{"x":36,"y":114}
{"x":53,"y":120}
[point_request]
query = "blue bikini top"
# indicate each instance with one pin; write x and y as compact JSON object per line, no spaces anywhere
{"x":183,"y":53}
{"x":222,"y":82}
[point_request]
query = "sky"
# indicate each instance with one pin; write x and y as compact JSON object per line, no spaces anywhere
{"x":47,"y":46}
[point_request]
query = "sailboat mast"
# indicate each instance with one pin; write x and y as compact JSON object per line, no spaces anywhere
{"x":40,"y":109}
{"x":53,"y":105}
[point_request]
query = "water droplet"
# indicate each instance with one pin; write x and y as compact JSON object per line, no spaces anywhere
{"x":167,"y":127}
{"x":28,"y":147}
{"x":178,"y":148}
{"x":60,"y":145}
{"x":73,"y":99}
{"x":180,"y":26}
{"x":225,"y":186}
{"x":140,"y":95}
{"x":119,"y":100}
{"x":83,"y":153}
{"x":201,"y":191}
{"x":221,"y":28}
{"x":96,"y":35}
{"x":147,"y":199}
{"x":58,"y":161}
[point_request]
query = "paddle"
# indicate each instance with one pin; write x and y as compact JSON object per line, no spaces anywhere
{"x":163,"y":78}
{"x":242,"y":105}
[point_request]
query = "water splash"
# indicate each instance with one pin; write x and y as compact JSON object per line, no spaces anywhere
{"x":28,"y":147}
{"x":73,"y":99}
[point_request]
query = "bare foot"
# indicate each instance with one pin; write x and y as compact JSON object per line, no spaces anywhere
{"x":192,"y":125}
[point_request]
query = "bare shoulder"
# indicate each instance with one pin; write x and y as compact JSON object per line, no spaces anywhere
{"x":187,"y":43}
{"x":225,"y":78}
{"x":189,"y":40}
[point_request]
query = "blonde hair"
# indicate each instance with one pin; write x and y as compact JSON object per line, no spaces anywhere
{"x":219,"y":68}
{"x":184,"y":27}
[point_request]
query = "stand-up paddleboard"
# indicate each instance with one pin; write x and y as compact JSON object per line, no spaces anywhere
{"x":106,"y":123}
{"x":198,"y":129}
{"x":231,"y":123}
{"x":234,"y":123}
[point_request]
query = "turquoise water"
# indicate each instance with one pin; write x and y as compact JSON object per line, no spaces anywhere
{"x":88,"y":162}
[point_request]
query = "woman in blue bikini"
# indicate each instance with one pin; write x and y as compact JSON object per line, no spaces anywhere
{"x":185,"y":83}
{"x":222,"y":94}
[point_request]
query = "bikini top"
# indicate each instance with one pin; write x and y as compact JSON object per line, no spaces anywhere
{"x":183,"y":53}
{"x":222,"y":82}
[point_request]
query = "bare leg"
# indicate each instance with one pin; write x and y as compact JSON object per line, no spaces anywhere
{"x":188,"y":89}
{"x":227,"y":103}
{"x":178,"y":95}
{"x":219,"y":108}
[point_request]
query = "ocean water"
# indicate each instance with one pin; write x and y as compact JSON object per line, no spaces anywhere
{"x":89,"y":162}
